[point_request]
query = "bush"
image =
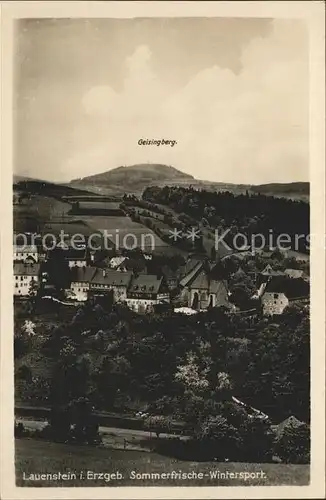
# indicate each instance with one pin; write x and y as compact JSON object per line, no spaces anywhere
{"x":74,"y":422}
{"x":292,"y":445}
{"x":219,"y":439}
{"x":158,"y":424}
{"x":24,"y":373}
{"x":20,"y":430}
{"x":258,"y":440}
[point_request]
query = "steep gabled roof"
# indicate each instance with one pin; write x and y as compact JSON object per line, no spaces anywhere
{"x":269,"y":271}
{"x":189,"y":276}
{"x":201,"y":281}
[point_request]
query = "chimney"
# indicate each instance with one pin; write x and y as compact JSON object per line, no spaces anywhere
{"x":104,"y":273}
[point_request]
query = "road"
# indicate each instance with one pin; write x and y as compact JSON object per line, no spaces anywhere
{"x":106,"y":432}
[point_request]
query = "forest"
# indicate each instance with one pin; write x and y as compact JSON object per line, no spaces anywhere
{"x":172,"y":366}
{"x":245,"y":213}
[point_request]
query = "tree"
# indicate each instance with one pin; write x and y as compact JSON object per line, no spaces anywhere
{"x":190,"y":376}
{"x":258,"y":439}
{"x":74,"y":421}
{"x":58,"y":270}
{"x":158,"y":424}
{"x":219,"y":439}
{"x":33,"y":292}
{"x":21,"y":346}
{"x":293,"y":443}
{"x":84,"y":425}
{"x":25,"y":373}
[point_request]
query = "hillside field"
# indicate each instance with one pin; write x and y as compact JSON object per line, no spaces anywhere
{"x":121,"y":226}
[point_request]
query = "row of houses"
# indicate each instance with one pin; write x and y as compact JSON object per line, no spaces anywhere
{"x":196,"y":288}
{"x":139,"y":292}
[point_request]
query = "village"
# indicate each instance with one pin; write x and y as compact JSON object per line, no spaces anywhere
{"x":196,"y":285}
{"x":129,"y":295}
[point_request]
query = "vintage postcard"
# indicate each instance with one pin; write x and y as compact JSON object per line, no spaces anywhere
{"x":162,"y":250}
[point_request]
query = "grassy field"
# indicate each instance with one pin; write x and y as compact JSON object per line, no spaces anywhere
{"x":37,"y":457}
{"x":122,"y":226}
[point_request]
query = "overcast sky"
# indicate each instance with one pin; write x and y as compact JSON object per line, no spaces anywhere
{"x":233,"y":93}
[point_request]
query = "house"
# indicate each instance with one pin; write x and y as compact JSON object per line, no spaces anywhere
{"x":280,"y":291}
{"x":25,"y":253}
{"x":294,"y":273}
{"x":274,"y":302}
{"x":81,"y":278}
{"x":25,"y":274}
{"x":107,"y":280}
{"x":118,"y":263}
{"x":76,"y":257}
{"x":206,"y":292}
{"x":145,"y":291}
{"x":269,"y":271}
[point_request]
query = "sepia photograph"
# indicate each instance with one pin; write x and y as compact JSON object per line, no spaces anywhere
{"x":164,"y":251}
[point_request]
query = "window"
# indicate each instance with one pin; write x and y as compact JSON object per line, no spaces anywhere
{"x":16,"y":285}
{"x":275,"y":295}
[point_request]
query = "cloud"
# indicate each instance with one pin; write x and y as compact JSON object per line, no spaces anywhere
{"x":246,"y":127}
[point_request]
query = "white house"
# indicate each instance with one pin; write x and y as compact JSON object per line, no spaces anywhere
{"x":280,"y":291}
{"x":21,"y":253}
{"x":24,"y":275}
{"x":106,"y":280}
{"x":294,"y":273}
{"x":118,"y":263}
{"x":145,"y":291}
{"x":80,"y":282}
{"x":274,"y":303}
